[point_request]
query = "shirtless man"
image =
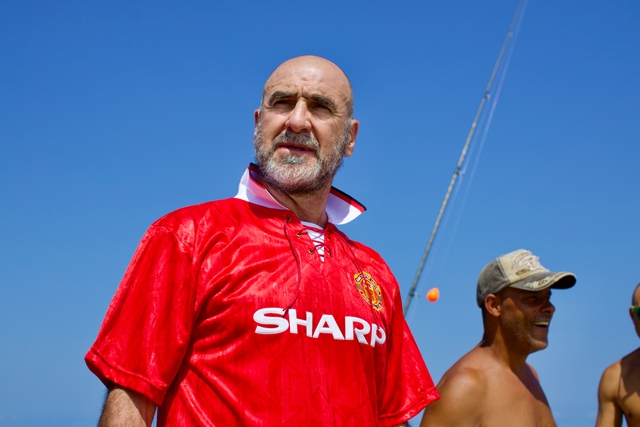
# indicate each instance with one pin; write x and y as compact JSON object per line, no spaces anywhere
{"x":493,"y":385}
{"x":619,"y":390}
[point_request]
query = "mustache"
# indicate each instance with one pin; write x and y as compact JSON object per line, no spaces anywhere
{"x":304,"y":139}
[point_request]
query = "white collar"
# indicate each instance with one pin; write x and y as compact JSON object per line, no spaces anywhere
{"x":341,"y":208}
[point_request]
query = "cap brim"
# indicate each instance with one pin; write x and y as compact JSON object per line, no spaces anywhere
{"x":540,"y":281}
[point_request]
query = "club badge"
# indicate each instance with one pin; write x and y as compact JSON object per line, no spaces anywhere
{"x":369,"y":289}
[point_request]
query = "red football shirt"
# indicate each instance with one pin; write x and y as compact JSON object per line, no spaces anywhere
{"x":227,"y":316}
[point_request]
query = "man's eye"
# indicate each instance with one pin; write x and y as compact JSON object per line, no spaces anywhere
{"x":320,"y":108}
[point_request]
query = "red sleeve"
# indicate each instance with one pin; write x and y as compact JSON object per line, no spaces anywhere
{"x":409,"y":387}
{"x":146,"y":330}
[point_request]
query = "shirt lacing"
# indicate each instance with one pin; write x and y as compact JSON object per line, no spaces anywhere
{"x":317,"y":236}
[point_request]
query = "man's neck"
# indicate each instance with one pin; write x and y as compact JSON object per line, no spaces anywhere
{"x":499,"y":350}
{"x":634,"y":355}
{"x":307,"y":207}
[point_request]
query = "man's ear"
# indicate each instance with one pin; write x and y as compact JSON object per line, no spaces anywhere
{"x":493,"y":305}
{"x":256,"y":118}
{"x":353,"y":133}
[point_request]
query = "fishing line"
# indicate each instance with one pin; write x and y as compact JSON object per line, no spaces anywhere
{"x":508,"y":49}
{"x":485,"y":127}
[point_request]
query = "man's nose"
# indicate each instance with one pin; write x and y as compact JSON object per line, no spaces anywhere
{"x":549,"y":308}
{"x":298,"y":120}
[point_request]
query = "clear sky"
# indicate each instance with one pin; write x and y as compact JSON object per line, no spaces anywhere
{"x":115,"y":113}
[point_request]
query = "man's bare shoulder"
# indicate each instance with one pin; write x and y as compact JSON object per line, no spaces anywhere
{"x":481,"y":390}
{"x":624,"y":368}
{"x":618,"y":392}
{"x":628,"y":392}
{"x":462,"y":389}
{"x":611,"y":376}
{"x":470,"y":370}
{"x":463,"y":378}
{"x":609,"y":410}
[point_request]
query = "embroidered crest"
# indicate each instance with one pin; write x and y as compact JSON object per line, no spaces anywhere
{"x":369,"y":289}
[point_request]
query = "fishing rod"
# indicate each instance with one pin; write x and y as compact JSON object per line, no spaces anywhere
{"x":485,"y":97}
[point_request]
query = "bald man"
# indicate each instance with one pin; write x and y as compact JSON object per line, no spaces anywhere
{"x":256,"y":310}
{"x":619,"y":390}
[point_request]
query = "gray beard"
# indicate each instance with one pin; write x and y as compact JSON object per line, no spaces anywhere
{"x":290,"y":174}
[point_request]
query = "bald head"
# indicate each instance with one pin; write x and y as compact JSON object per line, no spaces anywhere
{"x":310,"y":67}
{"x":635,"y":298}
{"x":304,"y":127}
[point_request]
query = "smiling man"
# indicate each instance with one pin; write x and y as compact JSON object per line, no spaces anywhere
{"x":493,"y":385}
{"x":256,"y":310}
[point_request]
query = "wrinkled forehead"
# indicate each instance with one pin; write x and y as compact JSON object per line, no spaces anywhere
{"x":310,"y":77}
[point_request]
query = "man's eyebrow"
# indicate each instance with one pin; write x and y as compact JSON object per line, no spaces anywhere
{"x":280,"y":94}
{"x":324,"y":100}
{"x":320,"y":99}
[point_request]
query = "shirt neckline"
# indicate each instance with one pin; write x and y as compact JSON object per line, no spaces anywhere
{"x":341,"y":208}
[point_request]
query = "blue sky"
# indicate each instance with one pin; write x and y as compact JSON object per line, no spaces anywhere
{"x":113,"y":114}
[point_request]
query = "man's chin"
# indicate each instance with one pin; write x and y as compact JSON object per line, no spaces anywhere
{"x":292,"y":180}
{"x":538,"y":345}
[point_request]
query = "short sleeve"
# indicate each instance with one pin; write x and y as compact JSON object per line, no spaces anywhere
{"x":146,"y":330}
{"x":408,"y":386}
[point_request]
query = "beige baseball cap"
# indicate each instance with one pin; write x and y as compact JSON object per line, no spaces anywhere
{"x":519,"y":269}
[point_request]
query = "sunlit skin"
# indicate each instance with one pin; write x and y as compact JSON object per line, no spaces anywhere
{"x":526,"y":317}
{"x":306,"y":95}
{"x":619,"y":389}
{"x":493,"y":385}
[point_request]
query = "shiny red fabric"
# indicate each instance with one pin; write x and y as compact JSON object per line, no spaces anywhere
{"x":217,"y":323}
